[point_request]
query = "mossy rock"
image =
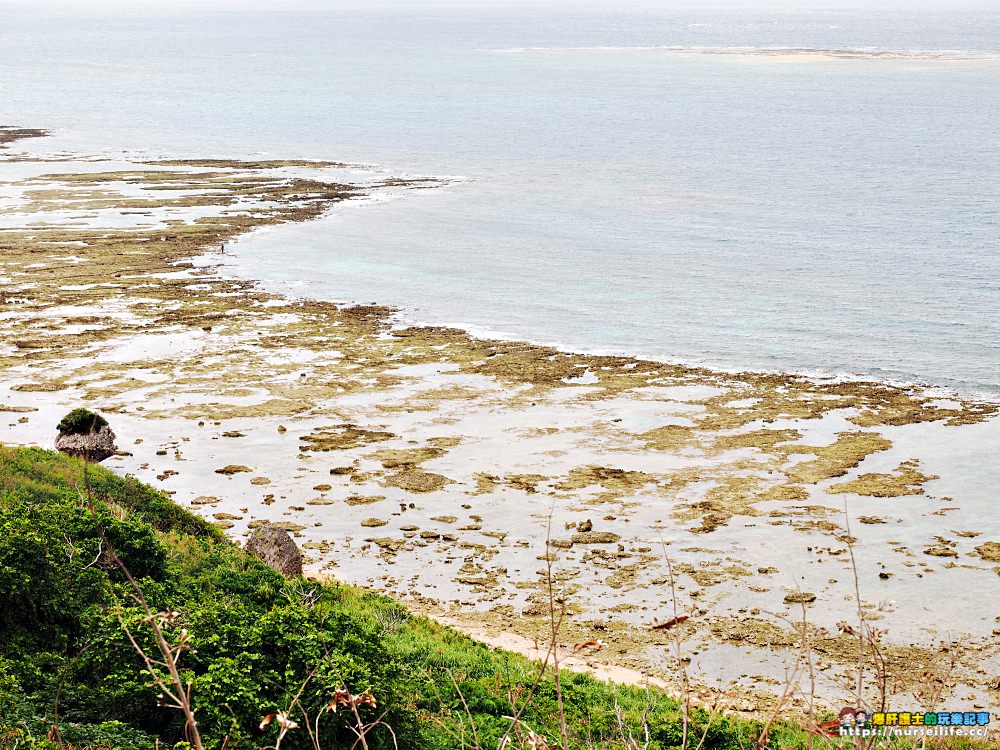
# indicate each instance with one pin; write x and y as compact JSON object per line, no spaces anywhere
{"x":85,"y":435}
{"x":989,"y":551}
{"x":231,"y":469}
{"x":595,"y":537}
{"x":800,"y":597}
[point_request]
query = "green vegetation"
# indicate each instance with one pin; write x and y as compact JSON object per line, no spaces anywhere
{"x":256,"y":640}
{"x":81,"y":422}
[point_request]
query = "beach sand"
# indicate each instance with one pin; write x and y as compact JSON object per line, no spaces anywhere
{"x":465,"y":476}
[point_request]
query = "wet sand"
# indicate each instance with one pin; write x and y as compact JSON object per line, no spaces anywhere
{"x":461,"y":475}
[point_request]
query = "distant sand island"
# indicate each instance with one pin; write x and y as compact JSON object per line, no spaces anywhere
{"x":458,"y":474}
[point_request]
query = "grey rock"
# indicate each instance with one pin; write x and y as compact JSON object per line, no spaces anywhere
{"x":92,"y":446}
{"x":276,"y":548}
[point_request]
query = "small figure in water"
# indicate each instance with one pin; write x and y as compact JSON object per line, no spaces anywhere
{"x":222,"y":248}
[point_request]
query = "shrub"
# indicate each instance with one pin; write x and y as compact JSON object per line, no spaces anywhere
{"x":81,"y":421}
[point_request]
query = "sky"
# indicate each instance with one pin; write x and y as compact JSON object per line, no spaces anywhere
{"x":894,"y":5}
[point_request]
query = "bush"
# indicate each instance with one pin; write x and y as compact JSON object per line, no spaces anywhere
{"x":81,"y":422}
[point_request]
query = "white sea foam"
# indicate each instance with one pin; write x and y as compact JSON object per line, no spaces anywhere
{"x":846,"y":53}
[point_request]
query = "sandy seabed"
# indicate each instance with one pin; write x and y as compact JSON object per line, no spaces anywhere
{"x":472,"y":478}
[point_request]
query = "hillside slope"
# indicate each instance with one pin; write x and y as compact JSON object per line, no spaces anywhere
{"x":257,"y":640}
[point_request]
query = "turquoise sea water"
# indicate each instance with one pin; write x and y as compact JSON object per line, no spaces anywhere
{"x":659,"y":182}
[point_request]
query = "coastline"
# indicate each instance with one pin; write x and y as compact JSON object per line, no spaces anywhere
{"x":347,"y":274}
{"x":401,"y":317}
{"x":329,"y":418}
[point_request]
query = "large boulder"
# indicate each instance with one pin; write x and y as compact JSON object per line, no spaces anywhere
{"x":86,"y":435}
{"x":276,"y":548}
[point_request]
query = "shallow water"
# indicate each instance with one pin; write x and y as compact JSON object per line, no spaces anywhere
{"x":807,"y":191}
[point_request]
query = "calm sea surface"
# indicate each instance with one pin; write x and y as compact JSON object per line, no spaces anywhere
{"x":664,"y":183}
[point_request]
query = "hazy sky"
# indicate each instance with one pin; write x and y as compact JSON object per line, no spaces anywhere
{"x":895,"y":5}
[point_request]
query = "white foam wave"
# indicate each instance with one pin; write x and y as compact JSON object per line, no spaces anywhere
{"x":407,"y":316}
{"x":844,"y":53}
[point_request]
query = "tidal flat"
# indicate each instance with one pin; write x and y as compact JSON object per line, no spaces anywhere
{"x":491,"y":482}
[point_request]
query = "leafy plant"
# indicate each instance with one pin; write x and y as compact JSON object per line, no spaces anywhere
{"x":81,"y":421}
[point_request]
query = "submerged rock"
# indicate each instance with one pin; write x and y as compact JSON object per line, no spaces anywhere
{"x":989,"y":551}
{"x":595,"y":537}
{"x":84,"y":434}
{"x":276,"y":548}
{"x":800,"y":597}
{"x":940,"y":550}
{"x":233,"y":469}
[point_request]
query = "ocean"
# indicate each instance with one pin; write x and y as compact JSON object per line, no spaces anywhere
{"x":808,"y":191}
